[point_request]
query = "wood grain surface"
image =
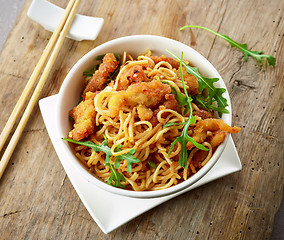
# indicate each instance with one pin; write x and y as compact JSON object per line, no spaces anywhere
{"x":36,"y":197}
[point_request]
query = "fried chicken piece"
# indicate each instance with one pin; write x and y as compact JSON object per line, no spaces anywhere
{"x":149,"y":94}
{"x":171,"y":102}
{"x":203,"y":114}
{"x":217,"y":138}
{"x":97,"y":81}
{"x":84,"y":115}
{"x":133,"y":74}
{"x":154,"y":119}
{"x":212,"y":125}
{"x":175,"y":63}
{"x":144,"y":113}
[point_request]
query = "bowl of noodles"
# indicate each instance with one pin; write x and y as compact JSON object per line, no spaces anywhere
{"x":143,"y":116}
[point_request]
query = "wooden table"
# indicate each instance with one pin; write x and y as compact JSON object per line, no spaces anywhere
{"x":37,"y":199}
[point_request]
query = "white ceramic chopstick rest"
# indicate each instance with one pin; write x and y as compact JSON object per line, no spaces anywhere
{"x":48,"y":16}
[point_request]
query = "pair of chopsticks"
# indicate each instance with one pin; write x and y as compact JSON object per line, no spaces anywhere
{"x":54,"y":44}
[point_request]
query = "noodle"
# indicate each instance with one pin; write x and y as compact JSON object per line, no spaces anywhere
{"x":138,"y":113}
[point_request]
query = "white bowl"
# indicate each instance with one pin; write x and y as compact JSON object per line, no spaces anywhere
{"x":73,"y":85}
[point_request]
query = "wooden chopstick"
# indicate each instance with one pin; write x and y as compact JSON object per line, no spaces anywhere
{"x":19,"y":105}
{"x":62,"y":29}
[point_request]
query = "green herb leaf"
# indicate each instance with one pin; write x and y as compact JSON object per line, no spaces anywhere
{"x":97,"y":148}
{"x":115,"y":176}
{"x":173,"y":123}
{"x":71,"y":119}
{"x":118,"y":58}
{"x":151,"y":164}
{"x":100,"y":57}
{"x":183,"y":139}
{"x":215,"y":94}
{"x":90,"y":72}
{"x":127,"y":156}
{"x":243,"y":47}
{"x":205,"y":103}
{"x":181,"y":99}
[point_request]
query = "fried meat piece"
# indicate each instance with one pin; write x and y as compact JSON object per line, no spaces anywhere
{"x":217,"y":138}
{"x":203,"y":114}
{"x":171,"y":102}
{"x":97,"y":82}
{"x":175,"y":63}
{"x":84,"y":115}
{"x":148,"y":94}
{"x":144,"y":113}
{"x":212,"y":125}
{"x":133,"y":74}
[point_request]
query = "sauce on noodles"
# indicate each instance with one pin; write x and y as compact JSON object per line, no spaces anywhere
{"x":125,"y":108}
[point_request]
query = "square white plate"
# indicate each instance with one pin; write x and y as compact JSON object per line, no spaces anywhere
{"x":99,"y":203}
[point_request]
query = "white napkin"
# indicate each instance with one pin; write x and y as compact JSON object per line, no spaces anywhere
{"x":99,"y":203}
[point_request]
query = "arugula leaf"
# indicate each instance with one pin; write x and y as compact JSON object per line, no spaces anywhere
{"x":128,"y":157}
{"x":182,"y":100}
{"x":215,"y":94}
{"x":115,"y":176}
{"x":243,"y":47}
{"x":118,"y":58}
{"x":100,"y":57}
{"x":151,"y":164}
{"x":205,"y":103}
{"x":71,"y":119}
{"x":183,"y":139}
{"x":97,"y":148}
{"x":173,"y":123}
{"x":90,"y":72}
{"x":179,"y":97}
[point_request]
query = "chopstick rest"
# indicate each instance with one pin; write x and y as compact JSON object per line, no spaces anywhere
{"x":48,"y":16}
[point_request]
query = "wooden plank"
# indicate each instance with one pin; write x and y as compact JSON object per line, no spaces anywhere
{"x":36,"y":198}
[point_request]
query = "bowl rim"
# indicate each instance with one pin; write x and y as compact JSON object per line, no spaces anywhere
{"x":83,"y":170}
